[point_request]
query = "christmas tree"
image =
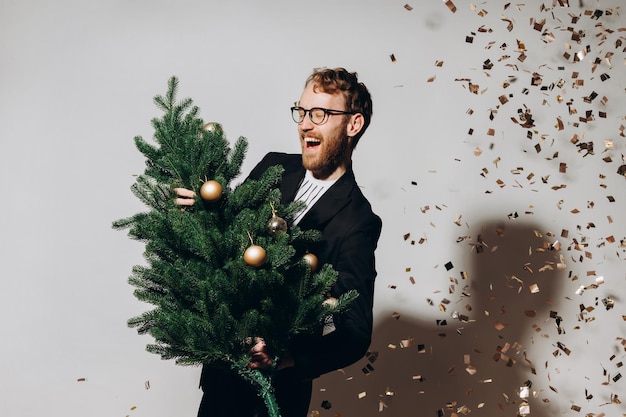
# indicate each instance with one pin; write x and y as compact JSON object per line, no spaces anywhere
{"x":225,"y":270}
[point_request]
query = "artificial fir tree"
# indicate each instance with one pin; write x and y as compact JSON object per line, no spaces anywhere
{"x":225,"y":270}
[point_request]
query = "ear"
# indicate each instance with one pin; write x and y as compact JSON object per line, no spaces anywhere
{"x":355,"y":124}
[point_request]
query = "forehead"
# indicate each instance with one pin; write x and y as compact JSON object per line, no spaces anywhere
{"x":313,"y":96}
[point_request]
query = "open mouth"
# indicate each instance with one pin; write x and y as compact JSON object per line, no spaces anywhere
{"x":311,"y":142}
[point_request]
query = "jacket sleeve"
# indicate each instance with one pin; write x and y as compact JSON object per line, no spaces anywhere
{"x":353,"y":258}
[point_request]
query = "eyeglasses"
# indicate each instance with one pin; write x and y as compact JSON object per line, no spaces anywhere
{"x":318,"y":115}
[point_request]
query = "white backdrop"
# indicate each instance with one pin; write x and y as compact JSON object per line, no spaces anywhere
{"x":446,"y":162}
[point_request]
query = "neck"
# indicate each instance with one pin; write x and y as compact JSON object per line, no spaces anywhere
{"x":328,"y":177}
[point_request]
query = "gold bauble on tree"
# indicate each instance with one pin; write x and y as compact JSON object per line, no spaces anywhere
{"x":213,"y":127}
{"x":276,"y":224}
{"x":330,"y":302}
{"x":311,"y":260}
{"x":254,"y":256}
{"x":211,"y":190}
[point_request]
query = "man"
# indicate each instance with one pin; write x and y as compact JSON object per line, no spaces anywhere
{"x":332,"y":114}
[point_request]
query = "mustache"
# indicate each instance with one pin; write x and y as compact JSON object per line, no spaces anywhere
{"x":311,"y":135}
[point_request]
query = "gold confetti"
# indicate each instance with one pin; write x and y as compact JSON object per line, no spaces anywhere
{"x":559,"y":124}
{"x":450,"y":5}
{"x":407,"y":343}
{"x":523,"y":409}
{"x":509,"y":25}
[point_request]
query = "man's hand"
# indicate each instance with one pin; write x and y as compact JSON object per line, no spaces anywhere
{"x":260,"y":359}
{"x":185,"y":197}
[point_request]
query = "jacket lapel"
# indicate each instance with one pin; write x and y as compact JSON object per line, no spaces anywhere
{"x":330,"y":203}
{"x":289,"y":185}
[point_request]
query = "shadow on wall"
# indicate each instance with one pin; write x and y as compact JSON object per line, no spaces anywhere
{"x":480,"y":359}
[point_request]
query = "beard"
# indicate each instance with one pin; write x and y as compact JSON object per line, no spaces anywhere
{"x":333,"y":153}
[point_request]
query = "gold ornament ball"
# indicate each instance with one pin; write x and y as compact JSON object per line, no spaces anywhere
{"x":211,"y":191}
{"x":311,"y":260}
{"x":330,"y":302}
{"x":254,"y":256}
{"x":277,"y":224}
{"x":213,"y":127}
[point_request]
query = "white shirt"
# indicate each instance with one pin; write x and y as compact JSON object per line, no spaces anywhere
{"x":310,"y":190}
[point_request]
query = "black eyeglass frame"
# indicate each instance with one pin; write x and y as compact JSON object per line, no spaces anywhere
{"x":327,"y":112}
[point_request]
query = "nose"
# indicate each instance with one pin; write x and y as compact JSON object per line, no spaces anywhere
{"x":306,"y":124}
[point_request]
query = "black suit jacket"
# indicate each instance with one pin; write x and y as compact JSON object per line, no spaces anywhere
{"x":350,"y":232}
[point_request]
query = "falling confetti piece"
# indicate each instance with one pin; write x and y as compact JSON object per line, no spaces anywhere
{"x":367,"y":369}
{"x":450,"y":5}
{"x":524,"y":392}
{"x":407,"y":343}
{"x":523,"y":409}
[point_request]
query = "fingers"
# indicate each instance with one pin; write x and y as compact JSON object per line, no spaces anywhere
{"x":185,"y":197}
{"x":184,"y":201}
{"x":258,"y":342}
{"x":259,"y":359}
{"x":258,"y":350}
{"x":266,"y":363}
{"x":183,"y":192}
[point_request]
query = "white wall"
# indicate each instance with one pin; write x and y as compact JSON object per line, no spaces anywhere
{"x":77,"y":80}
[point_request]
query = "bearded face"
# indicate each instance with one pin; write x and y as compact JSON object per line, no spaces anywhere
{"x":326,"y":147}
{"x":325,"y":154}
